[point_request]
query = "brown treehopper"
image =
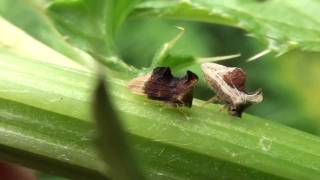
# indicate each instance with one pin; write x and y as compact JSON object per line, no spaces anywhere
{"x":229,"y":85}
{"x":162,"y":86}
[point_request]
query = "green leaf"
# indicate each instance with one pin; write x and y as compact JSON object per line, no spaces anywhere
{"x":90,"y":24}
{"x":31,"y":17}
{"x":24,"y":45}
{"x":282,"y":25}
{"x":111,"y":141}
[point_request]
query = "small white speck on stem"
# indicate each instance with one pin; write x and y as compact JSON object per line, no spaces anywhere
{"x":265,"y":143}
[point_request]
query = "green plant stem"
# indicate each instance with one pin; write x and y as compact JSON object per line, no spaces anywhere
{"x":46,"y":112}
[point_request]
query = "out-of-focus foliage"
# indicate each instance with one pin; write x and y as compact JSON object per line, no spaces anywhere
{"x":283,"y":25}
{"x":138,"y":40}
{"x":91,"y":24}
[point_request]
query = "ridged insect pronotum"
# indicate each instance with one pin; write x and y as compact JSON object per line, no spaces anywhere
{"x":162,"y":86}
{"x":229,"y":85}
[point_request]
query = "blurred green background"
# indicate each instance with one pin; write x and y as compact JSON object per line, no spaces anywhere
{"x":289,"y":82}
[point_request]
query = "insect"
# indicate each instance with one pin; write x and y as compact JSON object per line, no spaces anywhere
{"x":162,"y":86}
{"x":229,"y":85}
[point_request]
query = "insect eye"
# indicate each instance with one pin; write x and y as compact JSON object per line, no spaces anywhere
{"x":234,"y":112}
{"x":232,"y":109}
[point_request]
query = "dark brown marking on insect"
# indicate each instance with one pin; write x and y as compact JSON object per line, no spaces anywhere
{"x":162,"y":86}
{"x":238,"y":110}
{"x":236,"y":78}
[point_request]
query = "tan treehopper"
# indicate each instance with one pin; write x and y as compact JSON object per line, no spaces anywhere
{"x":229,"y":85}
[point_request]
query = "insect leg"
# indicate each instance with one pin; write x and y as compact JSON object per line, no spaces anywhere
{"x":215,"y":99}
